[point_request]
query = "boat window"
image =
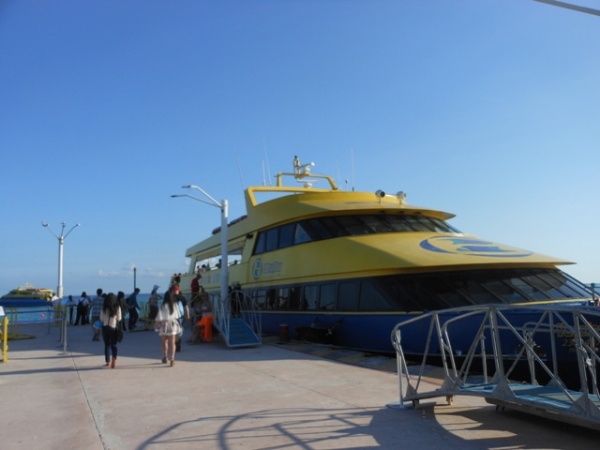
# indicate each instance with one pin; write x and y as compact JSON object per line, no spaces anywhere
{"x":425,"y":292}
{"x":563,"y":285}
{"x":503,"y":291}
{"x":261,"y":243}
{"x":294,"y":296}
{"x":272,"y":299}
{"x":444,"y":292}
{"x":286,"y":235}
{"x":327,"y":297}
{"x":524,"y":286}
{"x":321,"y":228}
{"x":272,"y":239}
{"x":283,"y":299}
{"x":348,"y":295}
{"x":300,"y":234}
{"x":260,"y":297}
{"x":377,"y":224}
{"x":373,"y":299}
{"x":311,"y":298}
{"x":444,"y":227}
{"x":398,"y":223}
{"x":352,"y":225}
{"x":316,"y":230}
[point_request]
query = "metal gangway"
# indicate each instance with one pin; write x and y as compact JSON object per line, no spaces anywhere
{"x":528,"y":376}
{"x":238,"y":320}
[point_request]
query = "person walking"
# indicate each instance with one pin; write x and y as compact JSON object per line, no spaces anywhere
{"x":124,"y":308}
{"x":184,"y":313}
{"x":195,"y":285}
{"x":133,"y":306}
{"x":96,"y":308}
{"x":110,"y":315}
{"x":153,"y":302}
{"x":71,"y":304}
{"x":167,"y":325}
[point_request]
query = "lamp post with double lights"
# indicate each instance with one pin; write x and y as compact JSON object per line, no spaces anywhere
{"x":223,"y":206}
{"x":61,"y":240}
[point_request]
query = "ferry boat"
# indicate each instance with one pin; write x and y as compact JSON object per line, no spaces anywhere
{"x":27,"y":295}
{"x":345,"y":267}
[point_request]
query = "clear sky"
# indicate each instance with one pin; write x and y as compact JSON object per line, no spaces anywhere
{"x":489,"y":109}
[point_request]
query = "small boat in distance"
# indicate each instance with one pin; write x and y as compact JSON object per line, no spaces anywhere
{"x":345,"y":267}
{"x":27,"y":296}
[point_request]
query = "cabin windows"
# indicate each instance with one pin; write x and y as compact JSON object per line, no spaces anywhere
{"x":327,"y":299}
{"x":423,"y":292}
{"x":349,"y":294}
{"x":330,"y":227}
{"x":373,"y":299}
{"x":286,"y":235}
{"x":311,"y":298}
{"x":300,"y":234}
{"x":272,"y":240}
{"x":261,"y":243}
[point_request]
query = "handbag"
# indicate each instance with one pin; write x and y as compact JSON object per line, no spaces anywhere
{"x":119,"y":331}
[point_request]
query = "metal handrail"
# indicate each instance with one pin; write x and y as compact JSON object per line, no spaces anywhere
{"x":237,"y":304}
{"x":576,"y":325}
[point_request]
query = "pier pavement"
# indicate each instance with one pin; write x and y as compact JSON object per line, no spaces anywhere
{"x":274,"y":396}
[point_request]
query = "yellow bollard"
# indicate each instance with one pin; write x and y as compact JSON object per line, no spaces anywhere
{"x":4,"y":339}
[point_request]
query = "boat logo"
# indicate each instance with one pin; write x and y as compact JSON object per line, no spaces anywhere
{"x":267,"y":269}
{"x":257,"y":269}
{"x":473,"y":247}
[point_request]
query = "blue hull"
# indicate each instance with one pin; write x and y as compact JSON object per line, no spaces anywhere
{"x":23,"y":302}
{"x":372,"y":332}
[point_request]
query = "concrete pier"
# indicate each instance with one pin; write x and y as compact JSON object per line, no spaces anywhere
{"x":276,"y":396}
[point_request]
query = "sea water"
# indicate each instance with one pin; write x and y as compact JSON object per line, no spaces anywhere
{"x":43,"y":314}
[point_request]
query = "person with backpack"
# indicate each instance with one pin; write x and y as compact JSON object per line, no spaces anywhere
{"x":81,"y":309}
{"x":133,"y":307}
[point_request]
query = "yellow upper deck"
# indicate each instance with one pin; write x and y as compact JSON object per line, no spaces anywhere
{"x":388,"y":251}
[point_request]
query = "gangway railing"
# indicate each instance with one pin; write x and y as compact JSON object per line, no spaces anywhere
{"x":541,"y":346}
{"x":238,"y":307}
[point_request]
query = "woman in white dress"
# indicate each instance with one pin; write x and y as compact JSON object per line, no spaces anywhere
{"x":167,"y":325}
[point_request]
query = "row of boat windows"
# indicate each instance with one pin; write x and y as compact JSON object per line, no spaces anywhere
{"x":424,"y":291}
{"x":321,"y":228}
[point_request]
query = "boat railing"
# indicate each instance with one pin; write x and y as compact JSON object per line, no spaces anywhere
{"x":237,"y":305}
{"x":535,"y":379}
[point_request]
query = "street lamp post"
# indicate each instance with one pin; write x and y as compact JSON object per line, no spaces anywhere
{"x":224,"y":207}
{"x":61,"y":240}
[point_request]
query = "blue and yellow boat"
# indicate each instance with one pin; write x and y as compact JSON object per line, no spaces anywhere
{"x":346,"y":267}
{"x":27,"y":296}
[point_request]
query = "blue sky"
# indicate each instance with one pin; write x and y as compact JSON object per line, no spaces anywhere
{"x":485,"y":108}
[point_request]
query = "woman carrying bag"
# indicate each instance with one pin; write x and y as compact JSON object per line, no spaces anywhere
{"x":111,"y":318}
{"x":167,"y":325}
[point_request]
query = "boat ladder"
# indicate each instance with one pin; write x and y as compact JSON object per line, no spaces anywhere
{"x":238,"y":320}
{"x":540,"y":391}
